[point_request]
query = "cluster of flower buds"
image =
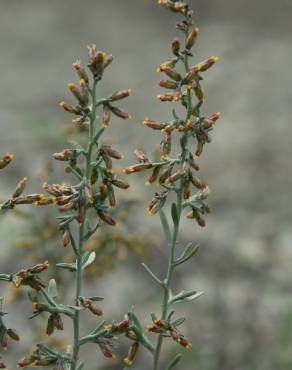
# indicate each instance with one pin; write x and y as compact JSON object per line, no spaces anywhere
{"x":175,"y":6}
{"x":5,"y":334}
{"x":5,"y":160}
{"x":121,"y":327}
{"x":106,"y":153}
{"x":97,"y":63}
{"x":124,"y":328}
{"x":175,"y":173}
{"x":167,"y":328}
{"x":29,"y":277}
{"x":201,"y":128}
{"x":37,"y":359}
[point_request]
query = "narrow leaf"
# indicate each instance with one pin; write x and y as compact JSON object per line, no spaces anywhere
{"x":67,"y":266}
{"x":165,"y":225}
{"x":80,"y":366}
{"x":89,"y":260}
{"x":178,"y":322}
{"x":188,"y":253}
{"x":174,"y":362}
{"x":184,"y":296}
{"x":96,"y":298}
{"x":174,"y":214}
{"x":52,"y":289}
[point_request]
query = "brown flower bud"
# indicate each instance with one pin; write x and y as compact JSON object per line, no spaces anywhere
{"x":25,"y":361}
{"x":167,"y":84}
{"x":165,"y":145}
{"x":170,"y":97}
{"x":156,"y":125}
{"x":106,"y":117}
{"x":65,"y":155}
{"x":141,"y":156}
{"x":132,"y":353}
{"x":69,"y":108}
{"x":79,"y":94}
{"x":20,"y":187}
{"x":205,"y":65}
{"x":119,"y":112}
{"x":80,"y":71}
{"x":120,"y":95}
{"x":137,"y":168}
{"x":199,"y":184}
{"x":192,"y":38}
{"x":176,"y":176}
{"x":4,"y":161}
{"x":50,"y":326}
{"x":111,"y":152}
{"x":157,"y":203}
{"x":106,"y":350}
{"x":175,"y":46}
{"x":120,"y":183}
{"x":165,"y":174}
{"x":106,"y":217}
{"x":154,"y":176}
{"x":168,"y":64}
{"x":194,"y":214}
{"x":174,"y":75}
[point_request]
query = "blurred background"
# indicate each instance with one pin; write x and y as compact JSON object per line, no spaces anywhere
{"x":244,"y":319}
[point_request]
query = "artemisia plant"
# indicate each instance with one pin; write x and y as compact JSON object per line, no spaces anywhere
{"x":175,"y":174}
{"x":84,"y":207}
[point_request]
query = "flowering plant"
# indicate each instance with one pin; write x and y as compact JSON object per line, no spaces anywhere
{"x":175,"y":173}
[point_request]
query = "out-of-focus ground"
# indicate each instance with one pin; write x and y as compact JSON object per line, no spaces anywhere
{"x":244,"y":320}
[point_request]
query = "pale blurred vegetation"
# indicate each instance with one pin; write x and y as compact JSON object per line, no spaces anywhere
{"x":244,"y":320}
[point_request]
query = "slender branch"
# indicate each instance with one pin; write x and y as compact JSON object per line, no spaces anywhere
{"x":175,"y":234}
{"x":78,"y":292}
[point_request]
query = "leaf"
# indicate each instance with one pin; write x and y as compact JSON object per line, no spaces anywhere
{"x":184,"y":296}
{"x":96,"y":298}
{"x":134,"y":319}
{"x":174,"y":362}
{"x":188,"y":253}
{"x":89,"y":260}
{"x":52,"y":289}
{"x":174,"y":214}
{"x":67,"y":266}
{"x":81,"y":366}
{"x":165,"y":225}
{"x":138,"y":330}
{"x":178,"y":322}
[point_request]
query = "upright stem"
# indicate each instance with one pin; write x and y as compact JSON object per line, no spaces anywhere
{"x":78,"y":292}
{"x":175,"y":234}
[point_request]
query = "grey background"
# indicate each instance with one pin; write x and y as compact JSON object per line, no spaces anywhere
{"x":243,"y":322}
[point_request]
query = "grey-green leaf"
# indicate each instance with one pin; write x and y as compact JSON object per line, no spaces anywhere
{"x":184,"y":296}
{"x":174,"y":214}
{"x":80,"y":366}
{"x":89,"y":260}
{"x":67,"y":266}
{"x":165,"y":225}
{"x":188,"y":253}
{"x":174,"y":362}
{"x":52,"y":289}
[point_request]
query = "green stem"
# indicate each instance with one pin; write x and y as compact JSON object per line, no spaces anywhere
{"x":175,"y":234}
{"x":78,"y":292}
